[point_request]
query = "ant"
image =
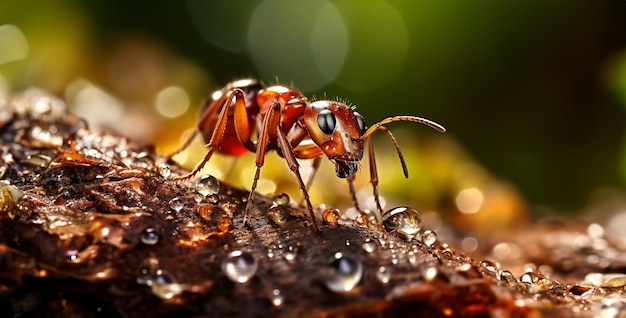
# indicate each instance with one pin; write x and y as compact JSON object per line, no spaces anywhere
{"x":284,"y":120}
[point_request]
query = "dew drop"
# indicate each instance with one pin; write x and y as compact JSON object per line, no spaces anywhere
{"x":429,"y":238}
{"x":291,"y":254}
{"x":383,"y":275}
{"x":506,"y":277}
{"x":207,"y":185}
{"x":489,"y":266}
{"x":281,"y":199}
{"x":369,"y":246}
{"x":176,"y":204}
{"x":149,"y":236}
{"x":213,"y":199}
{"x":330,"y":216}
{"x":144,"y":160}
{"x":239,"y":266}
{"x":162,"y":276}
{"x":164,"y":170}
{"x":277,"y":214}
{"x":429,"y":273}
{"x":403,"y":221}
{"x":343,"y":273}
{"x":277,"y":298}
{"x":198,"y":198}
{"x":164,"y":285}
{"x":529,"y":278}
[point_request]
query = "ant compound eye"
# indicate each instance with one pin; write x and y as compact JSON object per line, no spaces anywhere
{"x":326,"y":121}
{"x":361,"y":121}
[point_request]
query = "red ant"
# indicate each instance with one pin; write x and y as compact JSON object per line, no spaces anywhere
{"x":285,"y":121}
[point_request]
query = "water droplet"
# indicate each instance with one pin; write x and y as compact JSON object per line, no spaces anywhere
{"x":291,"y":253}
{"x":198,"y":198}
{"x":277,"y":214}
{"x":149,"y":236}
{"x":207,"y":185}
{"x":343,"y":273}
{"x":369,"y":246}
{"x":529,"y":278}
{"x":213,"y":199}
{"x":176,"y":204}
{"x":144,"y":160}
{"x":164,"y":285}
{"x":489,"y":267}
{"x":429,"y":237}
{"x":164,"y":170}
{"x":403,"y":221}
{"x":162,"y":276}
{"x":506,"y":277}
{"x":239,"y":266}
{"x":383,"y":275}
{"x":277,"y":298}
{"x":281,"y":199}
{"x":429,"y":273}
{"x":330,"y":216}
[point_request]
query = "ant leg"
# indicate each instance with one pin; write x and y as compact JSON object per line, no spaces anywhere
{"x":272,"y":119}
{"x":290,"y":156}
{"x":314,"y":167}
{"x":309,"y":151}
{"x":374,"y":177}
{"x":309,"y":181}
{"x":217,"y":136}
{"x":350,"y":180}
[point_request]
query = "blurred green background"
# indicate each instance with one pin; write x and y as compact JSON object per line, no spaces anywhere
{"x":534,"y":90}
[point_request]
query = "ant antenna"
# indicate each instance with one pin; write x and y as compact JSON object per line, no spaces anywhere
{"x":415,"y":119}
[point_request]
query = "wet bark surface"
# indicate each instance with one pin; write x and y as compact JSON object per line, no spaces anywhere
{"x":92,"y":224}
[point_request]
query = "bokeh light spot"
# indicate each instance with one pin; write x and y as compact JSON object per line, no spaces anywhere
{"x":94,"y":104}
{"x":13,"y":44}
{"x":290,"y":47}
{"x":469,"y":200}
{"x":172,"y":102}
{"x":329,"y":41}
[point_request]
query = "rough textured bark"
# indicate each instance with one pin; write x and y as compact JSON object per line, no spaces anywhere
{"x":92,"y":225}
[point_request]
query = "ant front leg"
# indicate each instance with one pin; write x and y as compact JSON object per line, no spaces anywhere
{"x":374,"y":176}
{"x":309,"y":151}
{"x":272,"y":121}
{"x":373,"y":181}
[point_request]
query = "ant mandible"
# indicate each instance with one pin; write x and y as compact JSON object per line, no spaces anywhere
{"x":285,"y":121}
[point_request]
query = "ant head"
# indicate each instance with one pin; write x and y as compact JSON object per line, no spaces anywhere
{"x":337,"y":129}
